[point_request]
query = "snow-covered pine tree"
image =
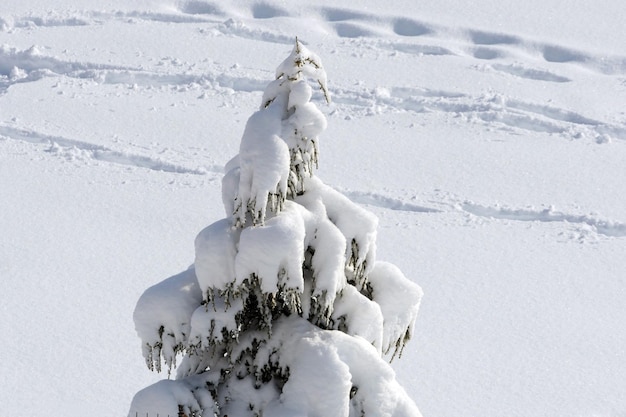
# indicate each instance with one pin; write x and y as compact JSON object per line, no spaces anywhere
{"x":286,"y":311}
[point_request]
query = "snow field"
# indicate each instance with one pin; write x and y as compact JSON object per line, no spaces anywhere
{"x":494,"y":141}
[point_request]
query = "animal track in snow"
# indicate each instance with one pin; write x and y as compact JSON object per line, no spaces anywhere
{"x":332,"y":14}
{"x":492,"y":45}
{"x":353,"y":30}
{"x":267,"y":11}
{"x":603,"y":227}
{"x":407,"y":33}
{"x":489,"y":38}
{"x":409,"y":27}
{"x":200,"y":8}
{"x":552,"y":53}
{"x":480,"y":44}
{"x":487,"y":53}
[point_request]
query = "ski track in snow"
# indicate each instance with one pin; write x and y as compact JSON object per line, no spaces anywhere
{"x":73,"y":149}
{"x":603,"y":227}
{"x":36,"y":66}
{"x":389,"y":203}
{"x":494,"y":110}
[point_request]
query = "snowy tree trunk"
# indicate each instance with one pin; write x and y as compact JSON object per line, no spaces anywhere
{"x":286,"y":311}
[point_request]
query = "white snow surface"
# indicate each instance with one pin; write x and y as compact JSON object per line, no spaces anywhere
{"x":489,"y":138}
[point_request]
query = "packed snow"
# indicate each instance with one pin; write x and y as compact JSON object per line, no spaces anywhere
{"x":488,"y":138}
